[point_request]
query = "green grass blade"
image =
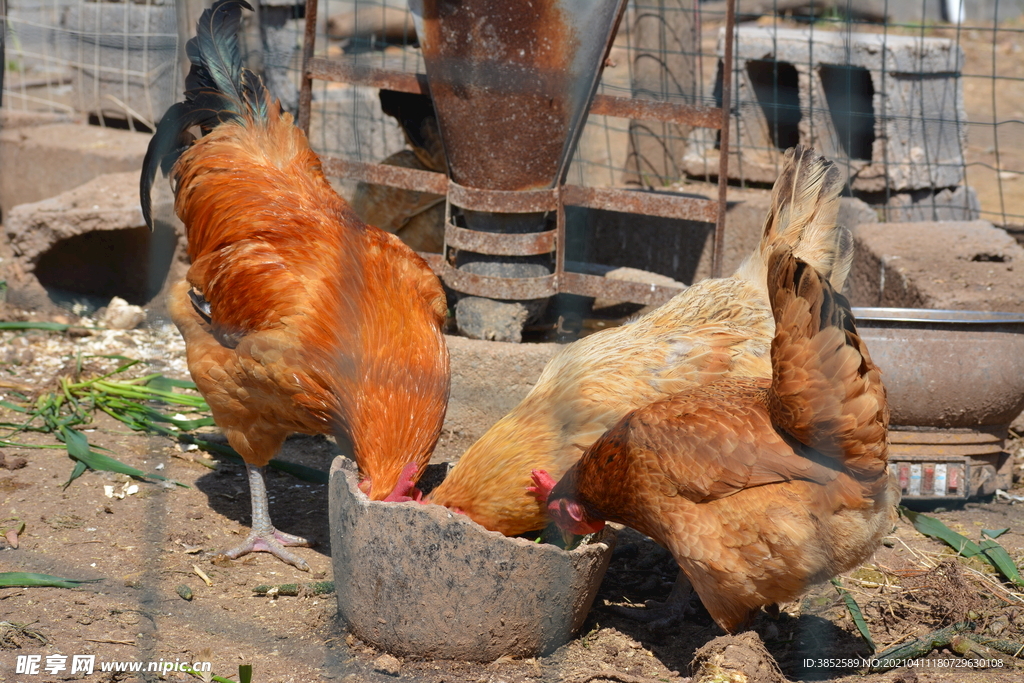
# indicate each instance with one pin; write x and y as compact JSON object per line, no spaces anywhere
{"x":27,"y":579}
{"x":994,"y":533}
{"x":78,"y":448}
{"x":996,"y":555}
{"x":929,"y":526}
{"x":78,"y":471}
{"x":245,"y":673}
{"x":15,"y":444}
{"x":858,"y":616}
{"x":12,"y":406}
{"x":162,"y":383}
{"x":145,"y":393}
{"x":50,"y":327}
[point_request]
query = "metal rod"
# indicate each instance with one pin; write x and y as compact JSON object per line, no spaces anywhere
{"x":560,"y":238}
{"x":348,"y":71}
{"x":652,"y":110}
{"x":385,"y":174}
{"x":661,"y":204}
{"x":723,"y":147}
{"x":308,"y":48}
{"x":500,"y":244}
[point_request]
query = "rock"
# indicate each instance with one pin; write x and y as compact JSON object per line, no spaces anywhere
{"x":960,"y":265}
{"x":735,"y":659}
{"x":12,"y":463}
{"x":635,"y":275}
{"x":387,"y":665}
{"x":58,"y":157}
{"x":122,"y":315}
{"x":474,"y":404}
{"x":479,"y":318}
{"x":91,"y":243}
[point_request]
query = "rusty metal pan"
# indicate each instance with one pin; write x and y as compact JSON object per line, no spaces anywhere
{"x":899,"y":435}
{"x":642,"y":202}
{"x":937,"y":315}
{"x":520,"y":289}
{"x":500,"y":244}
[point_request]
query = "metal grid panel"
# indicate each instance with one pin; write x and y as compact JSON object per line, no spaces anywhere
{"x":114,"y":60}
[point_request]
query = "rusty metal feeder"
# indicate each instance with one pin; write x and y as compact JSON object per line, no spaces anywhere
{"x":512,"y":84}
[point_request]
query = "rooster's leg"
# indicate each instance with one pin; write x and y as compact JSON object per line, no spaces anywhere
{"x":264,"y":537}
{"x":662,"y":614}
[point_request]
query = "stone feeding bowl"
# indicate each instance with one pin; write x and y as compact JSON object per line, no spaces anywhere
{"x":422,"y":581}
{"x":955,"y":381}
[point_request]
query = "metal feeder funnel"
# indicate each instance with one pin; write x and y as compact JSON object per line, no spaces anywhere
{"x":512,"y":82}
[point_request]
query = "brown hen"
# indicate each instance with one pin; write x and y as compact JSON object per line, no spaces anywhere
{"x":759,"y":488}
{"x":716,"y":328}
{"x":297,"y":316}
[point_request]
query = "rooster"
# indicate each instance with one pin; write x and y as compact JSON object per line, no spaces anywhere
{"x":758,"y":487}
{"x":716,"y":328}
{"x":297,"y":316}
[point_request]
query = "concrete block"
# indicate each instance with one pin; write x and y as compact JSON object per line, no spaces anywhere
{"x":14,"y":118}
{"x":950,"y":204}
{"x":125,"y":56}
{"x":891,"y":106}
{"x":480,"y":318}
{"x":477,"y":401}
{"x":56,"y":158}
{"x":959,"y":265}
{"x":90,"y":244}
{"x":678,"y":249}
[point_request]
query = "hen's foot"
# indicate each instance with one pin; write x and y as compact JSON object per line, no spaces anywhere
{"x":661,"y":615}
{"x":273,"y":542}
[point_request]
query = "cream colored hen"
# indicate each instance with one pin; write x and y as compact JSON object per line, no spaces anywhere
{"x":716,"y":328}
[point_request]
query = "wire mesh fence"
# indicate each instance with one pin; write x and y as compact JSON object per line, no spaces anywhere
{"x":922,"y":102}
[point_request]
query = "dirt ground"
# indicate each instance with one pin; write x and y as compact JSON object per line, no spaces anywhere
{"x":143,"y":546}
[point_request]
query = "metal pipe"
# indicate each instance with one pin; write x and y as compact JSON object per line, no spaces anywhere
{"x":306,"y":87}
{"x":723,"y":147}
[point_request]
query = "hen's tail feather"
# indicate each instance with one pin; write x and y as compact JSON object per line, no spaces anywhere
{"x":805,"y":205}
{"x":217,"y":89}
{"x":826,"y":392}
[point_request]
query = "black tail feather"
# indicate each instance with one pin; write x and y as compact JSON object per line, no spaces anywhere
{"x":217,"y":89}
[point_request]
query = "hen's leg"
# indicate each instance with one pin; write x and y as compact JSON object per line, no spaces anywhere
{"x":264,"y":537}
{"x":662,"y":614}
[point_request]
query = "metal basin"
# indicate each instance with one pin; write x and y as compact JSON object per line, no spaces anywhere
{"x":421,"y":581}
{"x":944,"y":368}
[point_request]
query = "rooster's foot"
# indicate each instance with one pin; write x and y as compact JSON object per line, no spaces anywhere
{"x":273,"y":542}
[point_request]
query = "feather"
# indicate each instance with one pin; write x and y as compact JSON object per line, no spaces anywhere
{"x":217,"y":89}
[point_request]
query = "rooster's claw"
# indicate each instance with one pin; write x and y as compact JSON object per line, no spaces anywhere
{"x":274,"y":543}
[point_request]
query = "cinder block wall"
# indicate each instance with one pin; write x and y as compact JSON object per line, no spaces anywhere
{"x":890,"y":107}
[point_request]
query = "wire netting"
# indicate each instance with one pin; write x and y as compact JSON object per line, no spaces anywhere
{"x":922,"y":102}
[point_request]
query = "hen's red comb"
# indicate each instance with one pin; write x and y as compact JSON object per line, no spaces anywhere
{"x":405,"y":489}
